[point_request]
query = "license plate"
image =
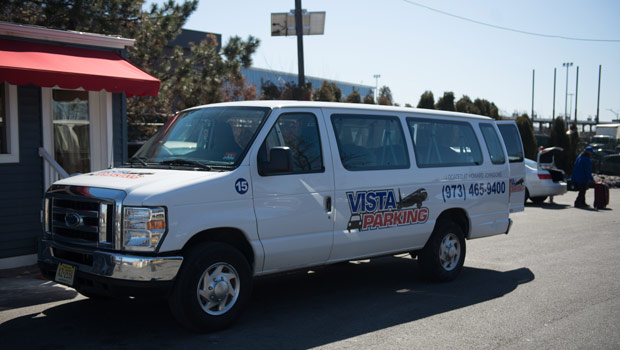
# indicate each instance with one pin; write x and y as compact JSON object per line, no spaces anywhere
{"x":65,"y":274}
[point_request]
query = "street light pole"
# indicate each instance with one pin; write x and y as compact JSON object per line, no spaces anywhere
{"x":576,"y":92}
{"x":567,"y":118}
{"x":376,"y":76}
{"x":567,"y":65}
{"x":301,"y":78}
{"x":554,"y":80}
{"x":614,"y":112}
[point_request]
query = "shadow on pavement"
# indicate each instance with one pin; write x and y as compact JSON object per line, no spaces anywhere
{"x":548,"y":205}
{"x":28,"y":290}
{"x":294,"y":311}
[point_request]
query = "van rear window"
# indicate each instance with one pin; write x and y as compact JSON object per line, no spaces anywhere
{"x":442,"y":143}
{"x":512,"y":140}
{"x":370,"y":142}
{"x":493,"y":145}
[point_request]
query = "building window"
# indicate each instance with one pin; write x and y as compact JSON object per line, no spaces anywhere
{"x":71,"y":130}
{"x":9,"y":132}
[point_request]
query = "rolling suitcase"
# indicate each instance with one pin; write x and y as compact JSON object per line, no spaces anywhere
{"x":601,"y":195}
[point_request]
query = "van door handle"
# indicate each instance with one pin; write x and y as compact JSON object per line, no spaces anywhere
{"x":328,"y":204}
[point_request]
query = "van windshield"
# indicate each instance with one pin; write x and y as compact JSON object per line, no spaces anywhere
{"x":203,"y":138}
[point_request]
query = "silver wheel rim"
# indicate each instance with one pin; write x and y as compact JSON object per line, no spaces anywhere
{"x":218,"y":288}
{"x":450,"y":251}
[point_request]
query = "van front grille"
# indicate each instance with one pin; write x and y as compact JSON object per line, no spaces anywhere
{"x":84,"y":216}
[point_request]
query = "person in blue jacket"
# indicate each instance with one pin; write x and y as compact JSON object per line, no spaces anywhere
{"x":582,"y":176}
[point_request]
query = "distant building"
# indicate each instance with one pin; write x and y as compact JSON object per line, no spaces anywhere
{"x":259,"y":76}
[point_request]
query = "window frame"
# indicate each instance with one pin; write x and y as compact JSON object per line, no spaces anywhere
{"x":279,"y":133}
{"x":443,"y":121}
{"x":497,"y":138}
{"x":12,"y":125}
{"x":407,"y":157}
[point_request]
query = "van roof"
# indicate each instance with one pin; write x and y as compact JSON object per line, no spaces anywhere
{"x":275,"y":104}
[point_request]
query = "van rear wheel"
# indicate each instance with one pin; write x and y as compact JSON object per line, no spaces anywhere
{"x":442,"y":258}
{"x":212,"y":287}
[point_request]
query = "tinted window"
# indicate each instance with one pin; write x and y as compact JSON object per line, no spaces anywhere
{"x":440,"y":143}
{"x":496,"y":152}
{"x":512,"y":140}
{"x":368,"y":142}
{"x":300,"y":133}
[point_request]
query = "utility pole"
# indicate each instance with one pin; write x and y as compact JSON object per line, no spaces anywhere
{"x":533,"y":78}
{"x":554,"y":80}
{"x":567,"y":65}
{"x":299,"y":30}
{"x":567,"y":118}
{"x":376,"y":76}
{"x":598,"y":99}
{"x":576,"y":92}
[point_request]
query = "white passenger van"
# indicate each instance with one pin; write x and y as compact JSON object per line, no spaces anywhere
{"x":226,"y":192}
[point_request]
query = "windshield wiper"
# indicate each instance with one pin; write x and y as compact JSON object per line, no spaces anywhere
{"x":180,"y":161}
{"x":139,"y":159}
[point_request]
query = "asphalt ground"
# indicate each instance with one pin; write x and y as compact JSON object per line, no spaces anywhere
{"x":552,"y":283}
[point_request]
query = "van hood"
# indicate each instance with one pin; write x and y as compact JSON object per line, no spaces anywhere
{"x":132,"y":179}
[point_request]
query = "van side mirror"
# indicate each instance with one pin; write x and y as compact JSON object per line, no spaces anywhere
{"x":280,"y":162}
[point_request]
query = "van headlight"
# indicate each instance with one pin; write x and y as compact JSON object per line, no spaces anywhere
{"x":143,"y":228}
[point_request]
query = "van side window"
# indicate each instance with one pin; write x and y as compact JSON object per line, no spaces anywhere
{"x":441,"y":143}
{"x":496,"y":152}
{"x":370,"y":142}
{"x":512,"y":139}
{"x":299,"y":132}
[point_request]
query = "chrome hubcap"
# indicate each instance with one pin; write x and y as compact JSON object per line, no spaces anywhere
{"x":450,"y":251}
{"x":218,"y":288}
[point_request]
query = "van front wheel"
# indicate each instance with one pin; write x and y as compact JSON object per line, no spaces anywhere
{"x":442,"y":257}
{"x":212,"y":287}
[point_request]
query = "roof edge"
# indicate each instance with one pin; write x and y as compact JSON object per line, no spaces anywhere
{"x":64,"y":36}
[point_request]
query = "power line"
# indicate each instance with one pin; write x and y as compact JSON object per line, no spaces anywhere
{"x":510,"y":29}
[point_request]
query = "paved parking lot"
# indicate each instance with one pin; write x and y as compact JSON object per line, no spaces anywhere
{"x":553,"y":282}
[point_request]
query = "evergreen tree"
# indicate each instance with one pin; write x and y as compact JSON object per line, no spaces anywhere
{"x":465,"y":105}
{"x":204,"y":76}
{"x":354,"y":97}
{"x":558,"y":137}
{"x":526,"y":130}
{"x":270,"y":91}
{"x":427,"y":100}
{"x":385,"y":96}
{"x":369,"y":99}
{"x":327,"y":92}
{"x":446,"y":102}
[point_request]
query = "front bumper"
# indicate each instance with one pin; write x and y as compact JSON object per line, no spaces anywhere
{"x":110,"y":265}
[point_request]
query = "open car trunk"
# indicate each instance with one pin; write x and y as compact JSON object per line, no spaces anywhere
{"x":546,"y":160}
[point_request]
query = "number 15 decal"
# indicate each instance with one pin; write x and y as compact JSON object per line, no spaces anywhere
{"x":242,"y":186}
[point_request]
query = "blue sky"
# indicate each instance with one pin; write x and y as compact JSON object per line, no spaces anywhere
{"x":415,"y":49}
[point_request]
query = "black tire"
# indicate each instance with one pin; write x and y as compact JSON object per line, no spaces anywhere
{"x":538,"y":200}
{"x":437,"y":260}
{"x":527,"y":195}
{"x":229,"y":289}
